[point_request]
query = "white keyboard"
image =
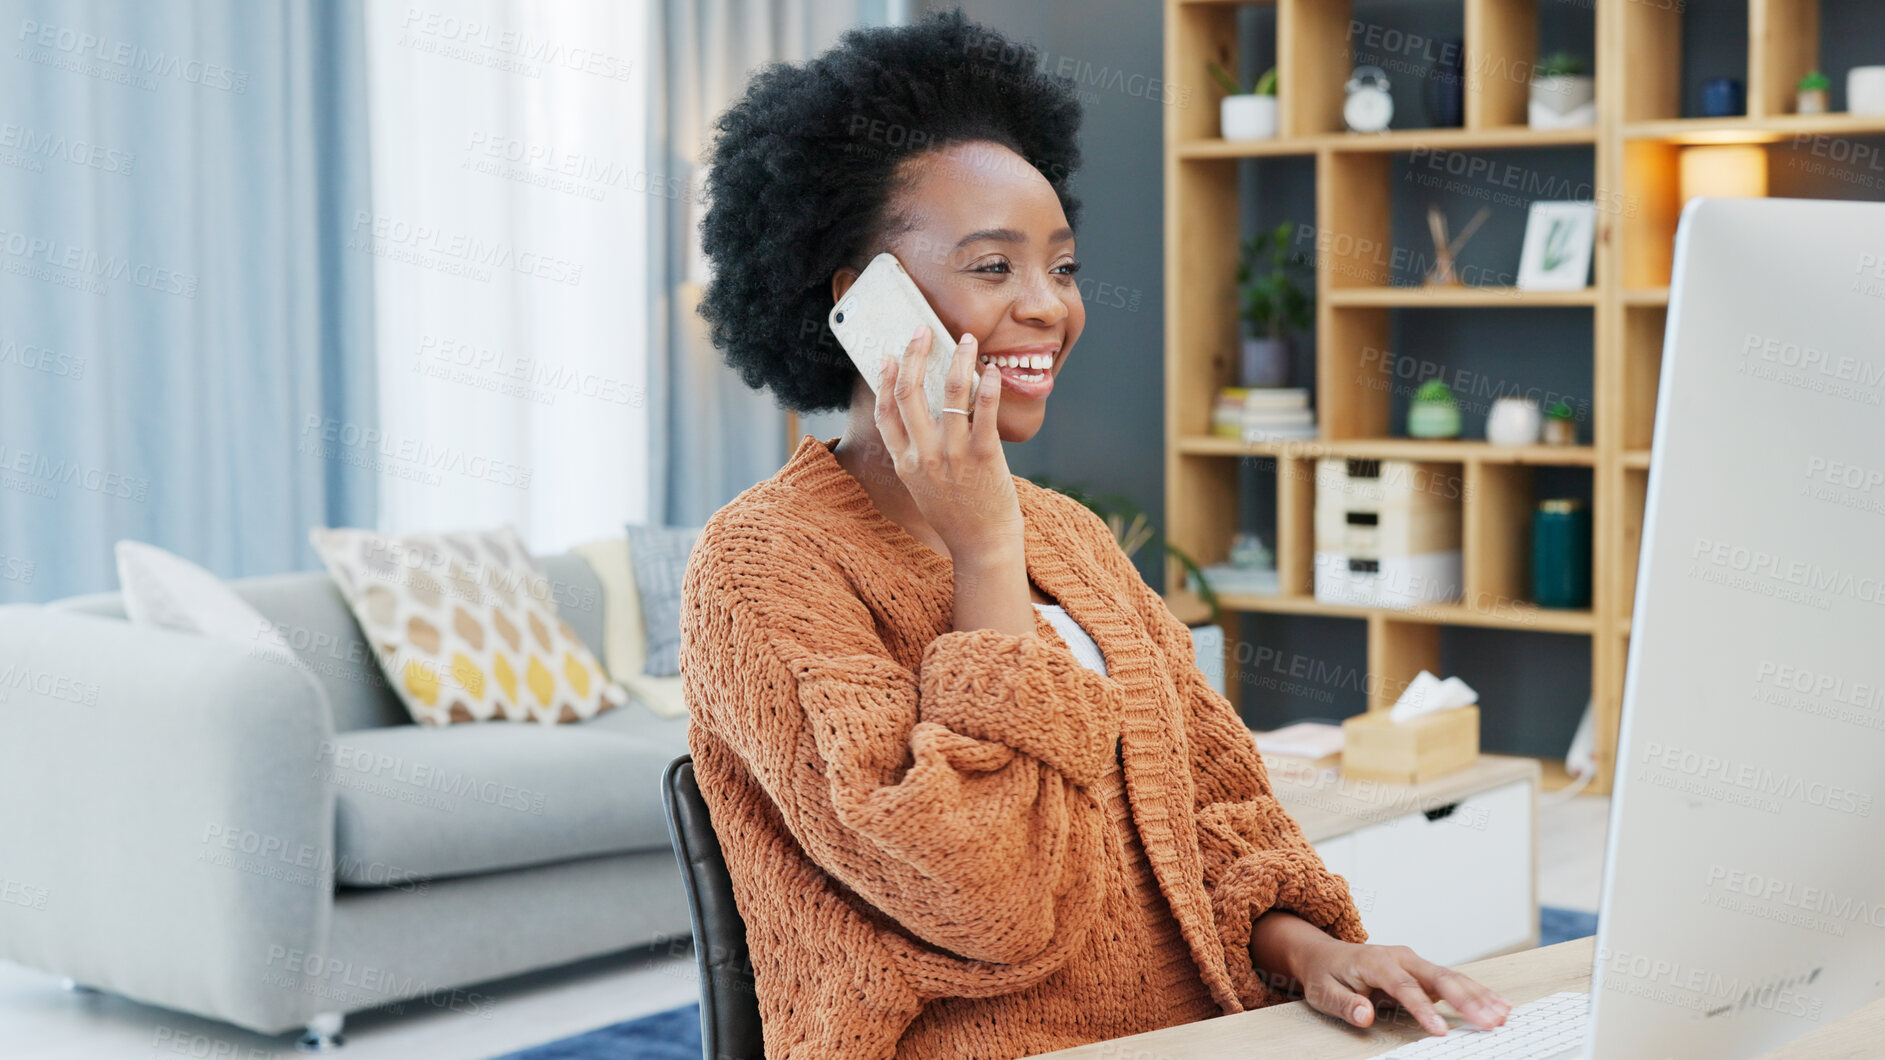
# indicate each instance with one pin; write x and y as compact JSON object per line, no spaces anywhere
{"x":1544,"y":1029}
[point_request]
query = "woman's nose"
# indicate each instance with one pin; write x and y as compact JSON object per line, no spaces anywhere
{"x":1040,"y":304}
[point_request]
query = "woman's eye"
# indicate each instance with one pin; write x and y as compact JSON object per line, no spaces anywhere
{"x":1068,"y":269}
{"x":992,"y":266}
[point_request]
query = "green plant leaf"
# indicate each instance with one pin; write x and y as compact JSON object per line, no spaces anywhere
{"x":1560,"y":64}
{"x":1224,"y":79}
{"x":1266,"y":85}
{"x":1279,"y":300}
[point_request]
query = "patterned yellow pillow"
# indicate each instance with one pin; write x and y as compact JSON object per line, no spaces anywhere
{"x":465,"y":628}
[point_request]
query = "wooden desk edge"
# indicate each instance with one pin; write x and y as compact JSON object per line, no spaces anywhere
{"x":1297,"y":1031}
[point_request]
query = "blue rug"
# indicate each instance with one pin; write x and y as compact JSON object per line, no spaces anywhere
{"x":675,"y":1034}
{"x":670,"y":1035}
{"x":1562,"y":925}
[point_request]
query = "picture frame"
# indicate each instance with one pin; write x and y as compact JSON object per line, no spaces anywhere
{"x":1556,"y":255}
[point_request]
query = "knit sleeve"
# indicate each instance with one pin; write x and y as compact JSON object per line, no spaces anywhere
{"x":1255,"y":855}
{"x":949,"y":798}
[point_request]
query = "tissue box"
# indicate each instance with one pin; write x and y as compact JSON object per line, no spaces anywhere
{"x":1410,"y":752}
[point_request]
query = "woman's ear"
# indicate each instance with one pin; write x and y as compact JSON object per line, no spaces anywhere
{"x":841,"y":282}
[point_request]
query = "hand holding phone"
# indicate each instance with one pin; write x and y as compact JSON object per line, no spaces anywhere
{"x":876,"y":318}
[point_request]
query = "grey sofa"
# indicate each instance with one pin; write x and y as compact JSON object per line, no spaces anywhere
{"x":192,"y":824}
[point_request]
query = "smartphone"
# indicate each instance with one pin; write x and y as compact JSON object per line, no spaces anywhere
{"x":876,"y":318}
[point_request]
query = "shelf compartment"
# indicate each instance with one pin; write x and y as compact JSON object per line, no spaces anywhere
{"x":1354,"y":221}
{"x":1448,"y":450}
{"x":1460,"y":296}
{"x":1653,"y":204}
{"x":1739,"y":130}
{"x":1502,"y":38}
{"x":1635,"y":500}
{"x":1205,"y":337}
{"x":1198,"y":34}
{"x":1646,"y":296}
{"x":1643,"y":328}
{"x":1497,"y":507}
{"x":1521,"y":616}
{"x":1784,"y":41}
{"x":1397,"y":652}
{"x":1652,"y":37}
{"x":1391,"y":142}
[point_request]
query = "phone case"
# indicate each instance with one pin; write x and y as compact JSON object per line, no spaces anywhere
{"x":876,"y":318}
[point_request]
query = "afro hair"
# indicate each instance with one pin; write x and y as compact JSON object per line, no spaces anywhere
{"x":804,"y":167}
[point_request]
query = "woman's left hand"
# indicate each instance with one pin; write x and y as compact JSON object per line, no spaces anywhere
{"x":1344,"y":979}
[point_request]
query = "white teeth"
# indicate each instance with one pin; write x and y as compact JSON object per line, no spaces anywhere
{"x":1035,"y":362}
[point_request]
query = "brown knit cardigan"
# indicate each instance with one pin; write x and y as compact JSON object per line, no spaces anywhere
{"x":905,"y":809}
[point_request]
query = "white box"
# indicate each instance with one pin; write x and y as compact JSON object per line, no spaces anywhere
{"x":1387,"y":581}
{"x":1381,"y":508}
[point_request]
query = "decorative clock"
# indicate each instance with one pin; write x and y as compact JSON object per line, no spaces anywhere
{"x":1369,"y":108}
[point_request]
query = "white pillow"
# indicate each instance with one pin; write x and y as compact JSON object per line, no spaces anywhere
{"x":166,"y":591}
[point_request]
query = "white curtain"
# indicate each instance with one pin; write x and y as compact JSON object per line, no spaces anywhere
{"x":510,"y":189}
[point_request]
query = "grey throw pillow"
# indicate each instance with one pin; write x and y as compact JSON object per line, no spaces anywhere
{"x":660,"y":557}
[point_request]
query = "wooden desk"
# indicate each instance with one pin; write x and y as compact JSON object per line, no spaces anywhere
{"x":1298,"y":1032}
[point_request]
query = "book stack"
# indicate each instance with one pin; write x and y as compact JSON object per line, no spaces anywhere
{"x":1239,"y":581}
{"x":1263,"y":414}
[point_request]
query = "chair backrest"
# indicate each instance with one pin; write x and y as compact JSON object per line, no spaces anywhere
{"x":729,"y":1005}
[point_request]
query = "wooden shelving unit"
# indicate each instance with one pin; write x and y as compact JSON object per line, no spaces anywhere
{"x":1636,"y":144}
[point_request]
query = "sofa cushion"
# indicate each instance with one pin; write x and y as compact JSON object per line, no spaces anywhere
{"x":659,"y":554}
{"x":465,"y":627}
{"x":416,"y":802}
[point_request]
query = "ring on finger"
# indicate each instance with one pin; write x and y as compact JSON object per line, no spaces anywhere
{"x":965,"y":412}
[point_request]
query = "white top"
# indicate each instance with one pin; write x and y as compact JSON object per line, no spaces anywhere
{"x":1077,"y":640}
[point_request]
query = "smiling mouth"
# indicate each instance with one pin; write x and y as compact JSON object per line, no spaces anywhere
{"x":1021,"y":367}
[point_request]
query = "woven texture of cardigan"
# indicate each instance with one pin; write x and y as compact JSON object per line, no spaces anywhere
{"x":907,"y":811}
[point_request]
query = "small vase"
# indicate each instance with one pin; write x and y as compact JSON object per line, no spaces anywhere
{"x":1865,"y":90}
{"x":1562,"y":101}
{"x":1433,"y":419}
{"x":1723,"y":97}
{"x":1265,"y":362}
{"x":1248,"y":117}
{"x":1560,"y":431}
{"x":1513,"y":421}
{"x":1811,"y":101}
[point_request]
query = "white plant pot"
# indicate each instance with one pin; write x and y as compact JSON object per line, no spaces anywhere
{"x":1247,"y":117}
{"x":1865,"y":90}
{"x":1562,"y":101}
{"x":1514,"y":421}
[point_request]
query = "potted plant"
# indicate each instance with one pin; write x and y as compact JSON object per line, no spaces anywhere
{"x":1433,"y":413}
{"x":1276,"y":304}
{"x":1811,"y":93}
{"x":1563,"y":95}
{"x":1560,"y":424}
{"x":1246,"y":115}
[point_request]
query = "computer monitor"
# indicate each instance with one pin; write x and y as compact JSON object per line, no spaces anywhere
{"x":1744,"y":883}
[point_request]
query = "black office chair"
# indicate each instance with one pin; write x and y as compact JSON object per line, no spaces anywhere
{"x":729,"y":1006}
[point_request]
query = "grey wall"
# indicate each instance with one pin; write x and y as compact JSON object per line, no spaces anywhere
{"x":1106,"y":428}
